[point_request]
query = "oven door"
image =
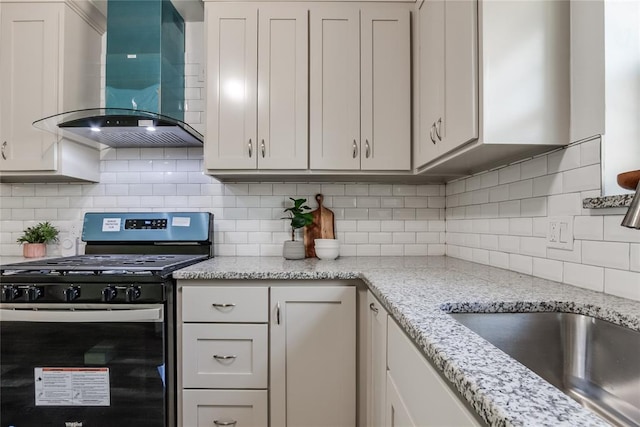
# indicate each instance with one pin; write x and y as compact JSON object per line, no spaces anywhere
{"x":82,"y":366}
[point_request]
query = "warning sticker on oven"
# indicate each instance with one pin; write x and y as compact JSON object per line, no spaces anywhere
{"x":72,"y":386}
{"x":111,"y":224}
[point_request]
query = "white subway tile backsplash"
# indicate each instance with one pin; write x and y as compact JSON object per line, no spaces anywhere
{"x":614,"y":232}
{"x":381,"y":238}
{"x":367,"y":250}
{"x":489,"y":241}
{"x":548,"y":184}
{"x":509,"y":174}
{"x":573,"y":255}
{"x":635,"y":258}
{"x":584,"y":276}
{"x":606,"y":254}
{"x":368,"y":202}
{"x":590,"y":152}
{"x":521,"y":189}
{"x":489,"y":179}
{"x":534,"y":167}
{"x":565,"y":204}
{"x":563,"y":160}
{"x":581,"y":179}
{"x":521,"y":263}
{"x":624,"y":284}
{"x":509,"y":209}
{"x":499,"y":259}
{"x":548,"y":269}
{"x":381,"y":190}
{"x":534,"y":246}
{"x":499,"y":194}
{"x":536,"y":206}
{"x":521,"y":226}
{"x":509,"y":244}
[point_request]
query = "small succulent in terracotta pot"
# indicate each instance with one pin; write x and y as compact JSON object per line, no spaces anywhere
{"x":35,"y":239}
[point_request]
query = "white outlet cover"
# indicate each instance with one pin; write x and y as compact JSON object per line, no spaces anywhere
{"x":560,"y":232}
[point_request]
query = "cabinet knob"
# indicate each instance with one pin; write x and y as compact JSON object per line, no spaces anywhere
{"x":250,"y":148}
{"x":355,"y":149}
{"x":262,"y":148}
{"x":4,"y":146}
{"x":373,"y":308}
{"x":225,"y":423}
{"x":439,"y":129}
{"x":367,"y":149}
{"x":433,"y":127}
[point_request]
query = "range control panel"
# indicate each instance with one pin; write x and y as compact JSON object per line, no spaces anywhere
{"x":119,"y":227}
{"x":145,"y":224}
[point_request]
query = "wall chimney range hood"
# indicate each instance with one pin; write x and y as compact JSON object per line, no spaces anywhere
{"x":144,"y":91}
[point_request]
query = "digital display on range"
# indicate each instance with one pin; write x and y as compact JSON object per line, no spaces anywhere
{"x":145,"y":224}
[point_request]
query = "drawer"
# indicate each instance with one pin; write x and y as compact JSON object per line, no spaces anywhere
{"x":211,"y":408}
{"x":225,"y":304}
{"x":224,"y":356}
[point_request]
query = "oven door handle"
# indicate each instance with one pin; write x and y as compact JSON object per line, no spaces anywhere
{"x":53,"y":315}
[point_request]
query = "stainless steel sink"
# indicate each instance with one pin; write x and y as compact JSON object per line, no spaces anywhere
{"x":593,"y":361}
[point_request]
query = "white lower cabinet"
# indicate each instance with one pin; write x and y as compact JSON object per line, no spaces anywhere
{"x":416,"y":394}
{"x":376,"y":360}
{"x":233,"y":408}
{"x":313,"y":356}
{"x":259,"y":353}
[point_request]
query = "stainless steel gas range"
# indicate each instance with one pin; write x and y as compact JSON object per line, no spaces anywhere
{"x":89,"y":340}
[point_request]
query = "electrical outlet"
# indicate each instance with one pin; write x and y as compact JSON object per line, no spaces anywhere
{"x":560,"y":232}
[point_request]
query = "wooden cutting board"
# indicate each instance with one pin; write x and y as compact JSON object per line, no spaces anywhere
{"x":321,"y":228}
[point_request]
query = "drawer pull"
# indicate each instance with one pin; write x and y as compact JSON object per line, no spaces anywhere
{"x":224,"y":423}
{"x":218,"y":357}
{"x":218,"y":305}
{"x":373,"y":308}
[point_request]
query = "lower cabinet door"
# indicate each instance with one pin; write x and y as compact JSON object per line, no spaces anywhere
{"x":397,"y":414}
{"x":216,"y":408}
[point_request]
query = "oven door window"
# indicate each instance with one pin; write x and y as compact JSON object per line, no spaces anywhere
{"x":112,"y":371}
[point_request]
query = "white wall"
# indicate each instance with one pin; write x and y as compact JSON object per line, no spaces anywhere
{"x":500,"y":218}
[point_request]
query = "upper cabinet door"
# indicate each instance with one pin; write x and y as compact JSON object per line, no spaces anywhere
{"x":460,"y":73}
{"x":231,"y":86}
{"x":29,"y":39}
{"x":431,"y":78}
{"x":335,"y":87}
{"x":386,"y":88}
{"x":283,"y":87}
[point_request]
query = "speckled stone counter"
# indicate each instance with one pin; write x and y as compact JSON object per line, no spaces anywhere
{"x":419,"y":291}
{"x":621,"y":201}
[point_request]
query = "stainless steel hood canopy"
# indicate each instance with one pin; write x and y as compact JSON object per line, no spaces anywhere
{"x":144,"y":90}
{"x":121,"y":127}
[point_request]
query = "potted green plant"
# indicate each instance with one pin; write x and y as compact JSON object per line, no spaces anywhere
{"x":299,"y":216}
{"x":35,"y":239}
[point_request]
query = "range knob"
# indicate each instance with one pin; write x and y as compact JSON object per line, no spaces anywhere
{"x":34,"y":292}
{"x":109,"y":293}
{"x":71,"y":293}
{"x":10,"y":293}
{"x":132,"y":293}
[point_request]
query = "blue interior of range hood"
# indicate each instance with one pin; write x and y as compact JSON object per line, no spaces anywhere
{"x":145,"y":57}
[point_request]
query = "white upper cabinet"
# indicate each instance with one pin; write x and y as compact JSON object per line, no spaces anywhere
{"x":360,"y":91}
{"x":257,"y":76}
{"x":335,"y":87}
{"x":49,"y":63}
{"x":386,"y":88}
{"x":506,"y":83}
{"x":605,"y":83}
{"x":448,"y":77}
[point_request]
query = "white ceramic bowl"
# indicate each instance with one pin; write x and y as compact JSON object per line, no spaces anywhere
{"x":327,"y":253}
{"x":326,"y":243}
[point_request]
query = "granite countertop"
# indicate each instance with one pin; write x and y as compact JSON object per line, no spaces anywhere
{"x":418,"y":291}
